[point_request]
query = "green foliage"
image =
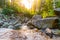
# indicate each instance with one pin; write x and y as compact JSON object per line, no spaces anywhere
{"x":51,"y":13}
{"x":47,"y":9}
{"x":58,"y":4}
{"x":7,"y":11}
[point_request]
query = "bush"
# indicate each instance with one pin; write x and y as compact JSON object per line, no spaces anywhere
{"x":7,"y":11}
{"x":47,"y":9}
{"x":58,"y":4}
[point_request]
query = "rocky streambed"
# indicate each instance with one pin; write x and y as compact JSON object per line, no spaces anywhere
{"x":14,"y":22}
{"x":8,"y":26}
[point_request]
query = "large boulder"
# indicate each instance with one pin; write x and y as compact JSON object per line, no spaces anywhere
{"x":40,"y":22}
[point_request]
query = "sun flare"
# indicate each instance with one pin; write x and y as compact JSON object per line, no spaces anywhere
{"x":27,"y":3}
{"x":29,"y":6}
{"x":10,"y":1}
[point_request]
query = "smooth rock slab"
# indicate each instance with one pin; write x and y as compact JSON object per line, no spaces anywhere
{"x":26,"y":34}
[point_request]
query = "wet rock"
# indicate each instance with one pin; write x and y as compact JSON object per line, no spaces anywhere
{"x":11,"y":27}
{"x":19,"y":24}
{"x":7,"y":21}
{"x":56,"y":32}
{"x":1,"y":22}
{"x":12,"y":21}
{"x":49,"y":32}
{"x":5,"y":25}
{"x":39,"y":22}
{"x":25,"y":19}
